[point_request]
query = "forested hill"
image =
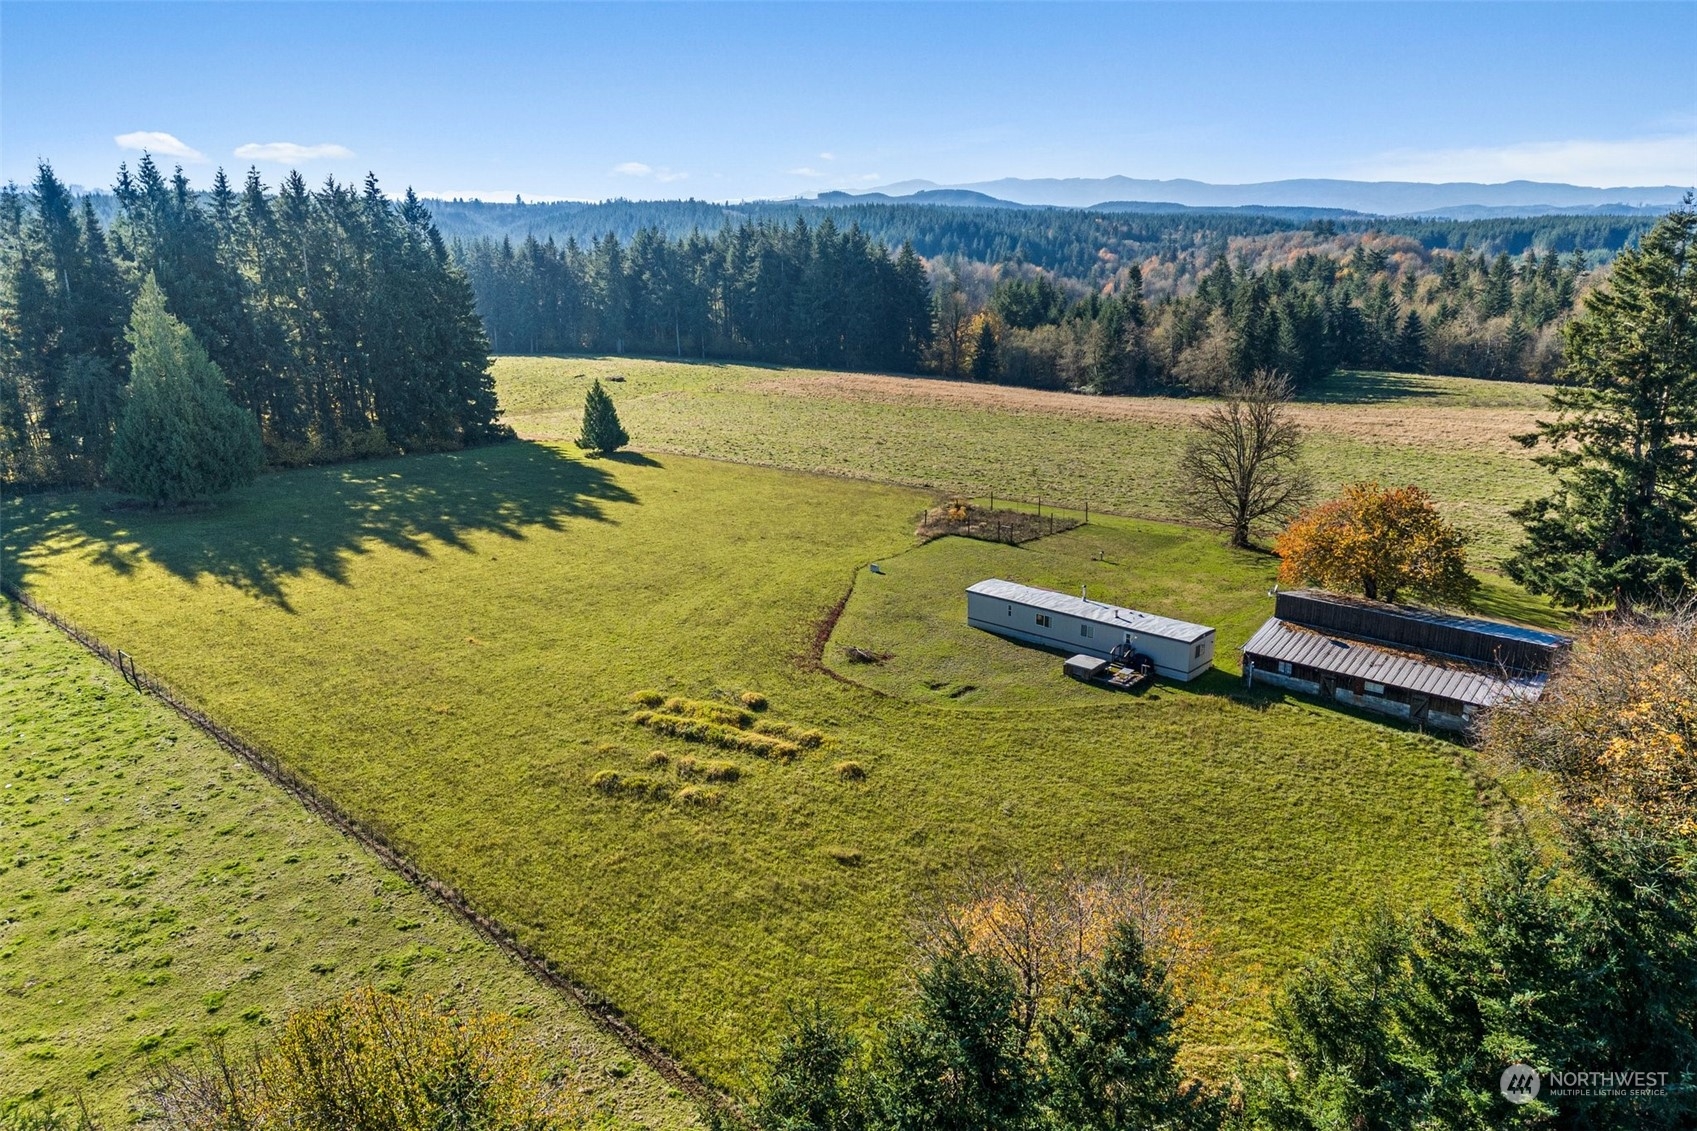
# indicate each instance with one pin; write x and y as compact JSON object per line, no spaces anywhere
{"x":1089,"y":246}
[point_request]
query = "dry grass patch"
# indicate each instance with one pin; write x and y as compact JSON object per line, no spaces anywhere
{"x":1401,"y":423}
{"x":716,"y":734}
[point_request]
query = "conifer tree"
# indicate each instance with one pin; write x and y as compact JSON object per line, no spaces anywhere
{"x":1411,"y":344}
{"x":1622,"y":522}
{"x":181,"y":437}
{"x":1112,"y":1043}
{"x":602,"y":432}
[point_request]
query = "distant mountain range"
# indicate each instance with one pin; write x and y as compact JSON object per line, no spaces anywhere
{"x":1455,"y":199}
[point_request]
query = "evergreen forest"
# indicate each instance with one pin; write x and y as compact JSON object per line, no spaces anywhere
{"x":336,"y":316}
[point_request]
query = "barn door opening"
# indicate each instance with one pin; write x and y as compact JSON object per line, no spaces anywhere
{"x":1418,"y":706}
{"x":1329,"y":686}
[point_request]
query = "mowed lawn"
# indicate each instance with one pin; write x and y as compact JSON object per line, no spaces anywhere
{"x":155,"y":893}
{"x":1450,"y":435}
{"x":447,"y":645}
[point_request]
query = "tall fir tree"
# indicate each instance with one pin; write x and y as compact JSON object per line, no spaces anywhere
{"x":1621,"y":525}
{"x":181,"y":437}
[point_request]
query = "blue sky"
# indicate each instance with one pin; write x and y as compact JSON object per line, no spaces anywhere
{"x":730,"y":101}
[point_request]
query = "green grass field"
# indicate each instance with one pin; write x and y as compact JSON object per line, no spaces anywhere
{"x":155,"y":893}
{"x":1452,"y":436}
{"x":447,"y":644}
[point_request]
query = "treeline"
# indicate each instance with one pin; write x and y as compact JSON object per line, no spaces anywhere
{"x":794,"y":293}
{"x":1516,"y":235}
{"x":336,"y":317}
{"x":1454,"y":313}
{"x":1086,"y":246}
{"x":1202,"y":308}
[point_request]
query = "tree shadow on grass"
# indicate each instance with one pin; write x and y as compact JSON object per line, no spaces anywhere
{"x":1359,"y":388}
{"x":634,"y":459}
{"x":317,"y":520}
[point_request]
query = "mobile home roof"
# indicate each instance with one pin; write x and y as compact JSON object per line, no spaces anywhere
{"x":1129,"y":620}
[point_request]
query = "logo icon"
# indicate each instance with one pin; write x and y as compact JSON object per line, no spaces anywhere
{"x":1520,"y":1084}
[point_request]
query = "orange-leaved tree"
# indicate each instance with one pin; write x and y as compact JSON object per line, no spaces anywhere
{"x":1382,"y":542}
{"x":1616,"y":726}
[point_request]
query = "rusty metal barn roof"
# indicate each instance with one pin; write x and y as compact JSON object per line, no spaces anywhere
{"x":1440,"y":676}
{"x":1084,"y":609}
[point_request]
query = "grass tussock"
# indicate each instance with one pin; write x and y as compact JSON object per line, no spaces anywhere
{"x":709,"y":770}
{"x":847,"y":857}
{"x":803,"y":737}
{"x":647,"y":697}
{"x":850,"y":771}
{"x":716,"y":734}
{"x":753,"y":700}
{"x":711,"y":712}
{"x":657,"y":758}
{"x":699,"y":796}
{"x":641,"y":787}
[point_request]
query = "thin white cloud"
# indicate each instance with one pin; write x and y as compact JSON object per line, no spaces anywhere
{"x":806,"y":171}
{"x":1667,"y":159}
{"x":638,"y":169}
{"x":827,"y":157}
{"x":290,"y":151}
{"x":155,"y":141}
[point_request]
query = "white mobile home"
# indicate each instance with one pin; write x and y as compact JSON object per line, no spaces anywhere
{"x":1179,"y":650}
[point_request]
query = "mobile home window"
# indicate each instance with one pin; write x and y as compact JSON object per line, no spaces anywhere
{"x":1043,"y":620}
{"x":1284,"y":667}
{"x":1086,"y":630}
{"x":1198,"y":652}
{"x":1373,"y":688}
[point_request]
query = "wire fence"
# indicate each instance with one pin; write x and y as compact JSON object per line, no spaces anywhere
{"x":375,"y":838}
{"x":996,"y":517}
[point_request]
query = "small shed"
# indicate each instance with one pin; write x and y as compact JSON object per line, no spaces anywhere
{"x":1178,"y":649}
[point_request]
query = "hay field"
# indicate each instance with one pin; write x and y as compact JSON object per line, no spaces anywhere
{"x":1452,"y":436}
{"x":157,"y":894}
{"x":447,"y":645}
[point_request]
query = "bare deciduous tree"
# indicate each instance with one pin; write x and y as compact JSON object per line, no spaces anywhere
{"x":1240,"y":468}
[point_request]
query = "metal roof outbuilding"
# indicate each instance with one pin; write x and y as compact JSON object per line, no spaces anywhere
{"x":1466,"y":683}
